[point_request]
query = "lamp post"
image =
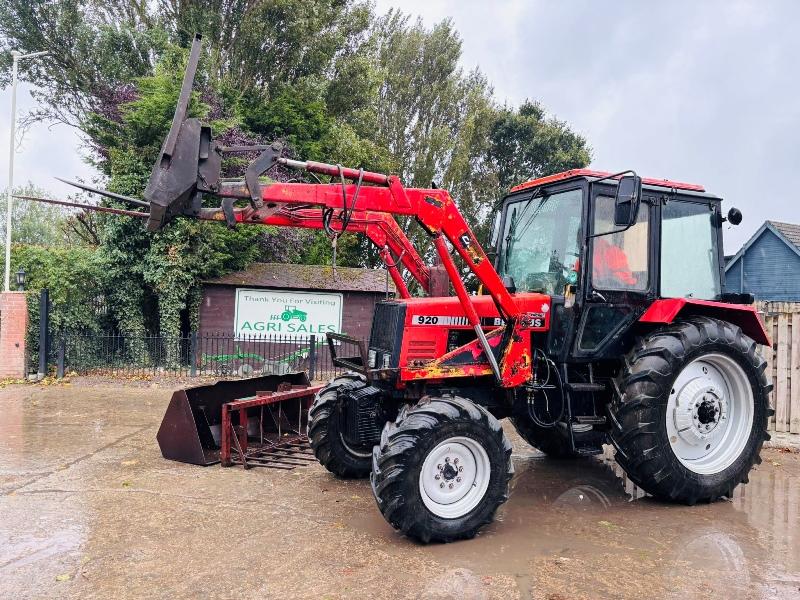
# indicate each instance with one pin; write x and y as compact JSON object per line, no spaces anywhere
{"x":21,"y":280}
{"x":17,"y":56}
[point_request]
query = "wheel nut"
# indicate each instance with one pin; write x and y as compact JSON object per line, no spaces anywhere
{"x":460,"y":469}
{"x":451,"y":486}
{"x":438,"y":477}
{"x":441,"y":485}
{"x":455,"y":462}
{"x":458,"y":479}
{"x":439,"y":467}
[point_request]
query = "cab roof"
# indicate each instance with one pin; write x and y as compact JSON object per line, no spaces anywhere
{"x":586,"y":173}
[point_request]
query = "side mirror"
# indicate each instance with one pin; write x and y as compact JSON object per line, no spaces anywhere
{"x":626,"y":203}
{"x":734,"y":216}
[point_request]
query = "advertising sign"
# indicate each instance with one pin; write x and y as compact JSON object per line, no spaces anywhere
{"x":288,"y":314}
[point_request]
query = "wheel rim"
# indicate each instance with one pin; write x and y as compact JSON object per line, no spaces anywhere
{"x":454,"y":477}
{"x":710,"y":414}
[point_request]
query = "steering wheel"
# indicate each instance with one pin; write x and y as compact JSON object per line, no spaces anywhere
{"x":541,"y":281}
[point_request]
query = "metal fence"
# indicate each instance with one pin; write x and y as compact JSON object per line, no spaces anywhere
{"x":219,"y":355}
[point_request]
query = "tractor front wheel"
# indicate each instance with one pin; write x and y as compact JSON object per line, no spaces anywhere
{"x":442,"y":469}
{"x":326,"y":426}
{"x":692,"y":412}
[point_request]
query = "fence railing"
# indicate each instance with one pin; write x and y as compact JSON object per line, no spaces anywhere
{"x":219,"y":355}
{"x":782,"y":320}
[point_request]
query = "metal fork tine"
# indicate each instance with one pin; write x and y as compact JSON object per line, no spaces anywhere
{"x":106,"y":193}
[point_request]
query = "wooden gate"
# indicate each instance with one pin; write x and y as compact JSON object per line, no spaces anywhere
{"x":783,"y":363}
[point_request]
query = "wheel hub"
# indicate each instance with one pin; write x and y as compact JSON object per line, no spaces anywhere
{"x":707,"y":412}
{"x":699,"y":408}
{"x":449,"y":471}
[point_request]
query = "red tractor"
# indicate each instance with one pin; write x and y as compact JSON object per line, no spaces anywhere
{"x":602,"y":319}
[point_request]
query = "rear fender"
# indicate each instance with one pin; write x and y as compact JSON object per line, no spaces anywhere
{"x":745,"y":316}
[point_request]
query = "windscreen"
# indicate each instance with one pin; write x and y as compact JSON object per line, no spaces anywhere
{"x":540,"y":241}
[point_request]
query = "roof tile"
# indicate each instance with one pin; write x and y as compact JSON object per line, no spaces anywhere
{"x":789,"y":230}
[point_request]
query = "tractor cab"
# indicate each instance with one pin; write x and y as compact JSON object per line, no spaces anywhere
{"x":604,"y":247}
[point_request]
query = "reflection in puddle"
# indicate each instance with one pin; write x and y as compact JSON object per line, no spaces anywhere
{"x":633,"y":491}
{"x":587,"y":516}
{"x":21,"y":549}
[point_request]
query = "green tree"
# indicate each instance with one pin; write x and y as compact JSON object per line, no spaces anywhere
{"x":73,"y":276}
{"x":441,"y":124}
{"x":328,"y":78}
{"x":33,"y":222}
{"x":525,"y":143}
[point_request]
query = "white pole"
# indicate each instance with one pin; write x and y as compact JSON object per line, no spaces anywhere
{"x":10,"y":191}
{"x":9,"y":203}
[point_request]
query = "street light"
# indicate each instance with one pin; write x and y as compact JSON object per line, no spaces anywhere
{"x":21,"y":280}
{"x":17,"y":57}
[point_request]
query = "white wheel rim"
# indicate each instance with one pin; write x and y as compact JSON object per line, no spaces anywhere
{"x":709,"y":414}
{"x":454,"y":477}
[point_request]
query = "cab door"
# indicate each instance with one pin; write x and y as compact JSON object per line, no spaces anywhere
{"x":619,"y":274}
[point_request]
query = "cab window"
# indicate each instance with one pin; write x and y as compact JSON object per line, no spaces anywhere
{"x":619,"y":258}
{"x":689,"y":256}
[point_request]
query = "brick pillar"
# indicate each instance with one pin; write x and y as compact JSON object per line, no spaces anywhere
{"x":13,"y":326}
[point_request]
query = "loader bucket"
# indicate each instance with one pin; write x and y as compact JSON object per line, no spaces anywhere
{"x":191,"y":428}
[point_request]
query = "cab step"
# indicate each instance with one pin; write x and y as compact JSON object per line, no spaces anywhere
{"x":590,"y":420}
{"x":585,"y":387}
{"x":587,"y":442}
{"x":589,"y":450}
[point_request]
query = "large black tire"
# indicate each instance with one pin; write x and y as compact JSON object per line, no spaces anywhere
{"x":639,"y":410}
{"x":407,"y":442}
{"x":324,"y":430}
{"x":549,"y":440}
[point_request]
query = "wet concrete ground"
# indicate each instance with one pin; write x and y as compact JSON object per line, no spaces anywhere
{"x":89,"y":509}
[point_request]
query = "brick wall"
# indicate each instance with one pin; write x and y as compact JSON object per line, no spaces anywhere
{"x":13,"y":325}
{"x":218,"y":307}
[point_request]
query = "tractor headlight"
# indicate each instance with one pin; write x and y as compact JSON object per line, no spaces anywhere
{"x":372,"y":358}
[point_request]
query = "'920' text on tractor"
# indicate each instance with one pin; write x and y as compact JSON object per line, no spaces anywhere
{"x":602,"y":319}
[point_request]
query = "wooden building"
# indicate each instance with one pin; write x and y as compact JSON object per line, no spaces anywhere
{"x":768,"y":265}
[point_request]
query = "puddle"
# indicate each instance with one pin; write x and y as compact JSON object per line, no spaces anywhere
{"x":568,"y":518}
{"x":21,"y":549}
{"x":570,"y":528}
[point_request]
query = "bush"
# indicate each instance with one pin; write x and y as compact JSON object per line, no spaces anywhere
{"x":73,"y":276}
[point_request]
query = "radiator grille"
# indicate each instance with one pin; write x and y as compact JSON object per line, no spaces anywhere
{"x":387,"y":325}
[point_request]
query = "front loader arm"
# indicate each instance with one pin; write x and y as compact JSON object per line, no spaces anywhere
{"x":439,"y":216}
{"x":434,"y":209}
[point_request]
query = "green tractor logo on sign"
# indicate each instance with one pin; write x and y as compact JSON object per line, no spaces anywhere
{"x":292,"y":312}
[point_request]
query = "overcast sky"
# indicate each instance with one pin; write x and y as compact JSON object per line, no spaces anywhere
{"x":705,"y":92}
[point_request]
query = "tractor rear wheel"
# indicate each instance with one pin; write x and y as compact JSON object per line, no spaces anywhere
{"x":442,"y":469}
{"x":692,"y":412}
{"x":325,"y":428}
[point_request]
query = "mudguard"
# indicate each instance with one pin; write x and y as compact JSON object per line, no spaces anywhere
{"x":745,"y":316}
